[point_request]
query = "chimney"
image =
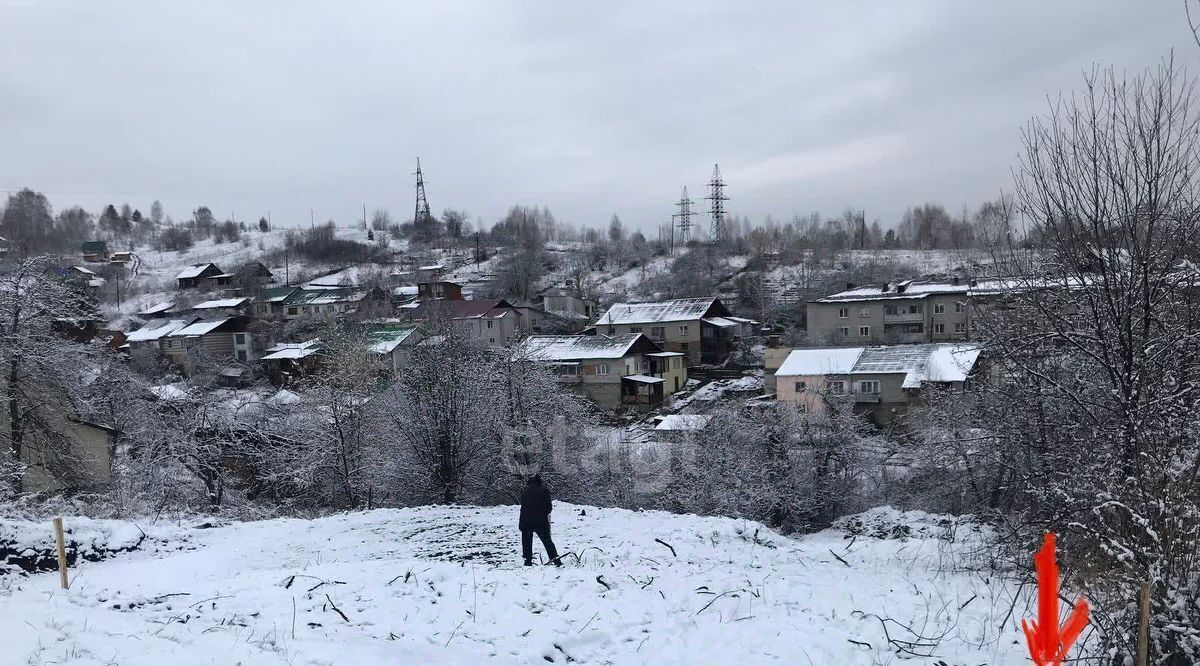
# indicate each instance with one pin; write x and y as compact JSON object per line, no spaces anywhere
{"x":883,"y":287}
{"x":900,"y":287}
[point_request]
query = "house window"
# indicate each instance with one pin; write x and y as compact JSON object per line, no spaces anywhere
{"x":658,"y":332}
{"x":889,"y":309}
{"x":612,"y":330}
{"x":800,"y":387}
{"x":960,"y":327}
{"x":869,"y":387}
{"x":491,"y":341}
{"x":489,"y":323}
{"x":635,"y":329}
{"x":939,"y":308}
{"x":239,"y":338}
{"x":683,"y":330}
{"x":864,"y":312}
{"x":241,"y":354}
{"x":683,"y":346}
{"x":835,"y":387}
{"x":959,"y":307}
{"x":293,"y":311}
{"x":844,"y":331}
{"x":568,"y":370}
{"x":602,"y":369}
{"x":864,"y":331}
{"x":939,"y":328}
{"x":915,"y":309}
{"x":843,"y":313}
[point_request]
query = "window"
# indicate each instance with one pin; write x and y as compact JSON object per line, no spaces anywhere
{"x":939,"y":328}
{"x":239,"y":338}
{"x":864,"y":312}
{"x":489,"y":323}
{"x":843,"y":313}
{"x":675,"y":363}
{"x":960,"y":327}
{"x":567,"y":370}
{"x":835,"y":387}
{"x":683,"y":346}
{"x":293,"y":311}
{"x":939,"y":308}
{"x":889,"y":309}
{"x":959,"y":307}
{"x":869,"y":387}
{"x":658,"y":332}
{"x":602,"y":369}
{"x":241,"y":354}
{"x":915,"y":309}
{"x":800,"y":387}
{"x":864,"y":331}
{"x":844,"y":331}
{"x":683,"y":329}
{"x":491,"y":341}
{"x":635,"y":329}
{"x":612,"y":330}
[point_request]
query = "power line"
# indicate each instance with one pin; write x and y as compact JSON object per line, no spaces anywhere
{"x":716,"y":197}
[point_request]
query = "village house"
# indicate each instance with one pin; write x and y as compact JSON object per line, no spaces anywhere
{"x":680,"y":427}
{"x":565,"y":303}
{"x":316,"y":302}
{"x":94,"y":251}
{"x":123,"y":257}
{"x":286,"y":362}
{"x":613,"y":370}
{"x":147,"y":344}
{"x":390,"y":344}
{"x":268,"y":304}
{"x":492,"y":322}
{"x":156,"y":311}
{"x":702,"y":328}
{"x":441,"y":289}
{"x":220,"y":339}
{"x":81,"y":457}
{"x":885,"y":382}
{"x":197,"y":275}
{"x":902,"y":312}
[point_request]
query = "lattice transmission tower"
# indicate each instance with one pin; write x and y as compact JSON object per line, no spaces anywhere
{"x":683,"y":218}
{"x":421,"y":217}
{"x":716,"y":198}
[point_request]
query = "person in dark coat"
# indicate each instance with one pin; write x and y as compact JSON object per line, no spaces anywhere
{"x":535,"y":519}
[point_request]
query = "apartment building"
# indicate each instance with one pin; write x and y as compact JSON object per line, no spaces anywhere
{"x":901,"y":312}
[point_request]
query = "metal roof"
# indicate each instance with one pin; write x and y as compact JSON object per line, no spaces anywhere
{"x":945,"y":362}
{"x":194,"y":271}
{"x":576,"y":347}
{"x":682,"y":309}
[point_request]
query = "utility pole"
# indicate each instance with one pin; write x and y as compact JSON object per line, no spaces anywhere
{"x":684,"y":218}
{"x":717,"y":199}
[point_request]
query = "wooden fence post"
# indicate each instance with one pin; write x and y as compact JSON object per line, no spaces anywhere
{"x":62,"y":552}
{"x":1143,"y":642}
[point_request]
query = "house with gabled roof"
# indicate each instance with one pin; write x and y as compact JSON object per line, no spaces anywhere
{"x":613,"y":370}
{"x":333,"y":302}
{"x":218,"y":338}
{"x":94,"y":250}
{"x":492,"y":322}
{"x":196,"y":275}
{"x":147,"y":344}
{"x":389,"y":345}
{"x":697,"y":327}
{"x":885,"y":381}
{"x":289,"y":361}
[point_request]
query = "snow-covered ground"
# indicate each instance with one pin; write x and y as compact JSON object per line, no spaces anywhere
{"x":444,"y":585}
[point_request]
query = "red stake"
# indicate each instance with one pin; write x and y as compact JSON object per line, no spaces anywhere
{"x":1048,"y":643}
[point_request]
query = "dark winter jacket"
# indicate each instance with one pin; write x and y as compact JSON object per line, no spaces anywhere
{"x":535,"y":506}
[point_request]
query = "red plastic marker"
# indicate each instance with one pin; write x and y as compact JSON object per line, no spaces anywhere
{"x":1048,"y":643}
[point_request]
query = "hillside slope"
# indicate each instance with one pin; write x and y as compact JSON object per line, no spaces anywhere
{"x":445,"y":585}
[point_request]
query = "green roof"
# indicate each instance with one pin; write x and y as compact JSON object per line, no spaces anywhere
{"x":95,"y":246}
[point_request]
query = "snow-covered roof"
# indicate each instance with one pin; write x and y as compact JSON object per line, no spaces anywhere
{"x":682,"y":309}
{"x":157,"y":308}
{"x":432,"y":267}
{"x":221,"y":303}
{"x":802,"y":362}
{"x":576,"y":347}
{"x":202,"y":327}
{"x":644,"y":379}
{"x":169,"y":392}
{"x":293,"y":350}
{"x":944,"y":362}
{"x":683,"y":422}
{"x":405,"y":291}
{"x":347,"y":276}
{"x":908,"y":290}
{"x":193,"y":271}
{"x":385,"y":342}
{"x":157,"y":330}
{"x":81,"y":269}
{"x":722,"y":322}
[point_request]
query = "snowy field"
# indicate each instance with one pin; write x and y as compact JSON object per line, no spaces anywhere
{"x":444,"y":585}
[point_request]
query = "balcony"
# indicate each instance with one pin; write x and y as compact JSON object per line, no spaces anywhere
{"x":866,"y":397}
{"x":904,"y":317}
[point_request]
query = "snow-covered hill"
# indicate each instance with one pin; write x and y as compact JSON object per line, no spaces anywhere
{"x":444,"y":585}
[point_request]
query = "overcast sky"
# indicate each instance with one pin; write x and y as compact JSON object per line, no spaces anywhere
{"x":588,"y":108}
